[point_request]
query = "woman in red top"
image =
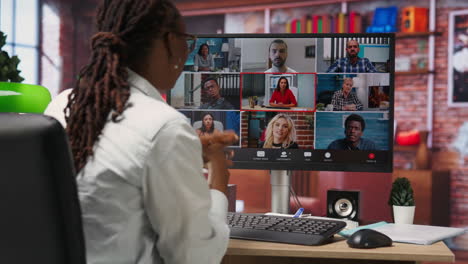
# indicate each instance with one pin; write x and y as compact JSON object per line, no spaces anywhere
{"x":283,"y":96}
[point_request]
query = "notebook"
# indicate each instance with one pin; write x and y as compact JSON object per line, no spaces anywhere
{"x":414,"y":234}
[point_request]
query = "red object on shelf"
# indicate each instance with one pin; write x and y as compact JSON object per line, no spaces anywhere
{"x":408,"y":138}
{"x":414,"y":19}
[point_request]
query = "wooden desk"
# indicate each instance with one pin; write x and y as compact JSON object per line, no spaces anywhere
{"x":260,"y":108}
{"x":250,"y":252}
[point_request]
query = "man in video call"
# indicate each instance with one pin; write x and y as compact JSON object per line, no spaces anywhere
{"x":354,"y":128}
{"x":278,"y":53}
{"x":352,"y":62}
{"x":211,"y":90}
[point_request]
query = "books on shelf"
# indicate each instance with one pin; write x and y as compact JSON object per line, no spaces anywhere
{"x":337,"y":23}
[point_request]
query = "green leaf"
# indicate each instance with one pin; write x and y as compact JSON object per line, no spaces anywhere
{"x":2,"y":39}
{"x":401,"y":193}
{"x":8,"y":66}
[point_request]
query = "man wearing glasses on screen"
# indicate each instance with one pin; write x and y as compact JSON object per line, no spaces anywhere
{"x":212,"y":95}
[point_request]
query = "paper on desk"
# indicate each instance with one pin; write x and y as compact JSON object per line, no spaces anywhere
{"x":414,"y":234}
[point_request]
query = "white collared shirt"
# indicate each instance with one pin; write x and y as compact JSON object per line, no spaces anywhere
{"x":143,"y":195}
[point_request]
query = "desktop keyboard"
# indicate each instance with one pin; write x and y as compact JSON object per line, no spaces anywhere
{"x":303,"y":231}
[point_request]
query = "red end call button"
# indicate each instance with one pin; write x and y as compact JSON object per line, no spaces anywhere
{"x":371,"y":156}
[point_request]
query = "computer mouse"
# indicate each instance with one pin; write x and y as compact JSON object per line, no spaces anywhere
{"x":368,"y":238}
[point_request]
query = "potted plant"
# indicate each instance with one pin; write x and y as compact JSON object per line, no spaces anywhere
{"x":402,"y":201}
{"x":8,"y":66}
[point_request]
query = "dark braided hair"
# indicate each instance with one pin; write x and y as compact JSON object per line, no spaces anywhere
{"x":126,"y":31}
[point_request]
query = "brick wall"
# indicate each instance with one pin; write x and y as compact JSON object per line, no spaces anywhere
{"x":76,"y":28}
{"x":410,"y":112}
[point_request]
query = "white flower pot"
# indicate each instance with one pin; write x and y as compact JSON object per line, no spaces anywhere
{"x":403,"y":214}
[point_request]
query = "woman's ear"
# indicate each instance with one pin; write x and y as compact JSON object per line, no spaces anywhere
{"x":174,"y":50}
{"x":169,"y":42}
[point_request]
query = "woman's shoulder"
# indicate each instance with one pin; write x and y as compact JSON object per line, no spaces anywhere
{"x":57,"y":106}
{"x":148,"y":114}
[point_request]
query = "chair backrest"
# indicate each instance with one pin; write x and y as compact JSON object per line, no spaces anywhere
{"x":217,"y":125}
{"x":41,"y":216}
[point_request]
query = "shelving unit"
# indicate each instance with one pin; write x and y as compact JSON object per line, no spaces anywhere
{"x":414,"y":72}
{"x":401,"y":35}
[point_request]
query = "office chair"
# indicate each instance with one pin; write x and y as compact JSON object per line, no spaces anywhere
{"x":41,"y":216}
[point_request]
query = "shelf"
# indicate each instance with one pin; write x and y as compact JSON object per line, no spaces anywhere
{"x":400,"y":35}
{"x":211,"y":7}
{"x":414,"y":72}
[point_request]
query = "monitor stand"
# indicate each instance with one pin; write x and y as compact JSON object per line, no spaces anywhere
{"x":280,"y":181}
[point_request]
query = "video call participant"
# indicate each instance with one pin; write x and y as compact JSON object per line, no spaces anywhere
{"x":212,"y":94}
{"x":203,"y":60}
{"x":142,"y":193}
{"x":278,"y":53}
{"x":280,"y":133}
{"x":354,"y":128}
{"x":345,"y":99}
{"x":352,"y":63}
{"x":377,"y":98}
{"x":283,"y":96}
{"x":207,"y":127}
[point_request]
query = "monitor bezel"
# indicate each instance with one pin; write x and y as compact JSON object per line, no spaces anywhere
{"x":351,"y":167}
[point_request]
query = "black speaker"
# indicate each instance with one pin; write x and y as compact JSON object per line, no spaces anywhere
{"x":343,"y":204}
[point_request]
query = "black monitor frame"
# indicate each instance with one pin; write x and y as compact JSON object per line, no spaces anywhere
{"x":359,"y":161}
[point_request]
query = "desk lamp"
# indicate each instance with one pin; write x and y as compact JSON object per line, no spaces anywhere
{"x":23,"y":98}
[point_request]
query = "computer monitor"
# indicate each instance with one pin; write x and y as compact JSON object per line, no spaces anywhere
{"x":320,"y":102}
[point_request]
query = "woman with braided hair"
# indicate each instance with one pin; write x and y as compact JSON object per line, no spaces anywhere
{"x":139,"y":163}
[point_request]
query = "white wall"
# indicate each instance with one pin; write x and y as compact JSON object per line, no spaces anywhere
{"x":183,"y":85}
{"x":306,"y":90}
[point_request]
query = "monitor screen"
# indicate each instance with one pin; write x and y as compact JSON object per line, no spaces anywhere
{"x":297,"y":101}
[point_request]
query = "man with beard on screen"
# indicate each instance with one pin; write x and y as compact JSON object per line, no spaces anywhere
{"x":278,"y":53}
{"x":352,"y":62}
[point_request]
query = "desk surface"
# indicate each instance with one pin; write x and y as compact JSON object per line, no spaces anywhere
{"x":335,"y":250}
{"x":260,"y":108}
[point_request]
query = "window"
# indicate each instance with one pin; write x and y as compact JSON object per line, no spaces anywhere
{"x":19,"y":20}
